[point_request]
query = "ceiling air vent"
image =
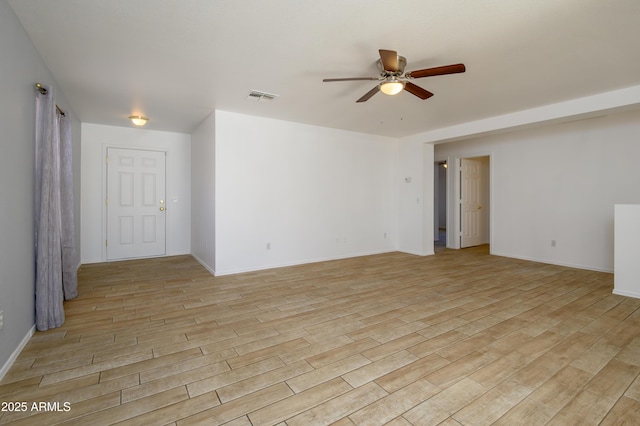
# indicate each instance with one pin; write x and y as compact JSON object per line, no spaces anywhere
{"x":262,"y":96}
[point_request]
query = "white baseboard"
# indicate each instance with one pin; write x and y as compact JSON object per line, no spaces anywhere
{"x":7,"y":365}
{"x":553,"y":262}
{"x":625,"y":293}
{"x":418,"y":253}
{"x":204,"y":264}
{"x":298,"y":262}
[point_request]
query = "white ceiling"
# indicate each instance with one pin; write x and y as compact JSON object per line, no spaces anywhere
{"x":176,"y":61}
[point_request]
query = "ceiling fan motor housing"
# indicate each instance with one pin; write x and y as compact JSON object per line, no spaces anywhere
{"x":402,"y":62}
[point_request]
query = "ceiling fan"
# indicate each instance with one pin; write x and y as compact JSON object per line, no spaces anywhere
{"x":393,"y":79}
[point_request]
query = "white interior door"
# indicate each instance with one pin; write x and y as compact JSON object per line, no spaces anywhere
{"x":136,"y":203}
{"x":470,"y":202}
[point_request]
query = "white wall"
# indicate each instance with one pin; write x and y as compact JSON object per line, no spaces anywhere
{"x":559,"y":183}
{"x":627,"y":247}
{"x":21,"y":67}
{"x":290,"y":193}
{"x":203,"y":236}
{"x":415,"y":186}
{"x":95,"y":139}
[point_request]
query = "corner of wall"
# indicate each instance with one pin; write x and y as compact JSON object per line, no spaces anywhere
{"x":14,"y":355}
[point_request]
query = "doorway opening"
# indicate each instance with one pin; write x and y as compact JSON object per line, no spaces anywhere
{"x":462,"y":202}
{"x":440,"y":205}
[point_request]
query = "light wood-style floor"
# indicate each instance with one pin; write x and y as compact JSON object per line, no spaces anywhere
{"x":460,"y":338}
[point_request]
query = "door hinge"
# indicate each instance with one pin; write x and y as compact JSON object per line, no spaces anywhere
{"x":106,"y":242}
{"x":106,"y":201}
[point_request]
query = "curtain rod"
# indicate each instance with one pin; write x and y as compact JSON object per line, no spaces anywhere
{"x":43,"y":91}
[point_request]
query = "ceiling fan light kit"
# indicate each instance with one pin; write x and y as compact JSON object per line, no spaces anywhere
{"x":393,"y":78}
{"x":392,"y":86}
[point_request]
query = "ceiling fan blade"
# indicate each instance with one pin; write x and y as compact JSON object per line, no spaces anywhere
{"x":369,"y":94}
{"x":417,"y":90}
{"x":389,"y":60}
{"x":430,"y":72}
{"x":349,"y":79}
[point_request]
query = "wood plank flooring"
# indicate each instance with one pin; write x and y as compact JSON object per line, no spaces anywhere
{"x":459,"y":338}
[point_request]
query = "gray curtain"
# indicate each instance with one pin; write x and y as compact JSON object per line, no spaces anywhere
{"x":69,"y":258}
{"x":56,"y":265}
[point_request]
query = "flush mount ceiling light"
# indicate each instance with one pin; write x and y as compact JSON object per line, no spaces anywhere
{"x":392,"y":86}
{"x":138,"y":120}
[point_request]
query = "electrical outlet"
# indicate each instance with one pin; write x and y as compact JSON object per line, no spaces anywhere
{"x":1,"y":319}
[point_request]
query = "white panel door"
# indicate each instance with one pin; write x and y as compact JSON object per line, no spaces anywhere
{"x":136,"y":203}
{"x":470,"y":202}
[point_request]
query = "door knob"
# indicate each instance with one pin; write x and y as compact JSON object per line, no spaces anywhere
{"x":161,"y":209}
